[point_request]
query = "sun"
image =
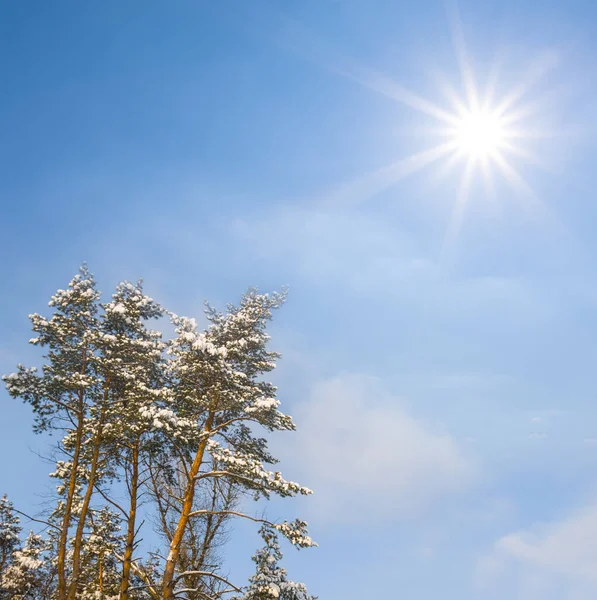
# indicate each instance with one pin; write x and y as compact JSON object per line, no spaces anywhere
{"x":477,"y":127}
{"x":471,"y":128}
{"x":480,"y":135}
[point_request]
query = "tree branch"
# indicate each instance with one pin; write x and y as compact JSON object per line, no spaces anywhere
{"x":206,"y":574}
{"x":36,"y":520}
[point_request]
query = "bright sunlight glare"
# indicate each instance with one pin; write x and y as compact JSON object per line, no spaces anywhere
{"x":479,"y":134}
{"x":483,"y":131}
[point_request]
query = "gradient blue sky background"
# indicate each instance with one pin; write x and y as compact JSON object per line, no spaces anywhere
{"x":445,"y":393}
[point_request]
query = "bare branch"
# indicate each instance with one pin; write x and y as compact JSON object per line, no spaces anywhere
{"x":108,"y":499}
{"x":36,"y":520}
{"x":231,"y":513}
{"x":207,"y":574}
{"x":153,"y":592}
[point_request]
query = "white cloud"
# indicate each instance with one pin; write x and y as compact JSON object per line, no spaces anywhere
{"x":365,"y":456}
{"x":568,"y":547}
{"x":557,"y":559}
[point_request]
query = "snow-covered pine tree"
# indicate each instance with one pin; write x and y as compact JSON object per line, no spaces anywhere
{"x":62,"y":395}
{"x":99,"y":385}
{"x":30,"y":576}
{"x":270,"y":581}
{"x":181,"y":425}
{"x":10,"y":542}
{"x":131,"y":357}
{"x":217,"y":387}
{"x":100,"y":575}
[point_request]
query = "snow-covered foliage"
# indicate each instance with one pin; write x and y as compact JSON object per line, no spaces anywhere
{"x":101,"y":569}
{"x":29,"y":576}
{"x":68,"y":381}
{"x":174,"y":421}
{"x":270,"y":581}
{"x":10,"y":542}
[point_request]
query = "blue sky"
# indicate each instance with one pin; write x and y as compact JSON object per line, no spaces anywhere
{"x":443,"y":378}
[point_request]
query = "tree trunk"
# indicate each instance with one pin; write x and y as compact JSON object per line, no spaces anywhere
{"x":97,"y":442}
{"x":187,"y":508}
{"x":72,"y":486}
{"x":130,"y":533}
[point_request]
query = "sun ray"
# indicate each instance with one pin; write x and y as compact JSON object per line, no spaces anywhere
{"x":491,"y":86}
{"x":309,"y":46}
{"x":536,"y":209}
{"x":388,"y":87}
{"x":524,"y":192}
{"x":378,"y":181}
{"x":449,"y":92}
{"x":458,"y":211}
{"x":534,"y":74}
{"x":512,"y":176}
{"x":464,"y":63}
{"x":444,"y":169}
{"x":487,"y":175}
{"x":524,"y":133}
{"x":527,"y":155}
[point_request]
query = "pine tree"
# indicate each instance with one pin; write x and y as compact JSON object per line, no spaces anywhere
{"x":173,"y":423}
{"x":217,"y":388}
{"x":100,"y":564}
{"x":131,"y":357}
{"x":98,"y":386}
{"x":10,"y":542}
{"x":270,"y":581}
{"x":63,"y":394}
{"x":29,"y":576}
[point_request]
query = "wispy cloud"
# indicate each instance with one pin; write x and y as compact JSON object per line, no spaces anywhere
{"x":374,"y":256}
{"x":549,"y":560}
{"x":367,"y":458}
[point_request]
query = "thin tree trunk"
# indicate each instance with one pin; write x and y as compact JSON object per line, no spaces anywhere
{"x":210,"y":528}
{"x":68,"y":509}
{"x":210,"y":532}
{"x":101,"y":577}
{"x":187,"y":508}
{"x":130,"y":533}
{"x":97,"y":442}
{"x":72,"y":486}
